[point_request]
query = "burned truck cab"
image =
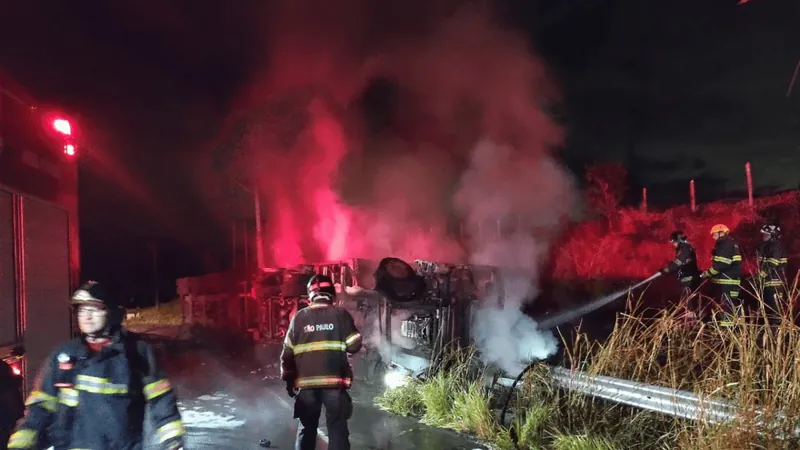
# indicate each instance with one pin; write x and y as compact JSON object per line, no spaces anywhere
{"x":421,"y":309}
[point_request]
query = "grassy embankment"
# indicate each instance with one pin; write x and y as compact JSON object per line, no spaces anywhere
{"x":751,"y":364}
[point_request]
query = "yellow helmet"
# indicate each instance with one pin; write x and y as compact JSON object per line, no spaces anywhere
{"x":720,"y":228}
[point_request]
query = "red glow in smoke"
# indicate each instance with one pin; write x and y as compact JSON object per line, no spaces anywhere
{"x":310,"y":223}
{"x":332,"y":220}
{"x":286,"y":248}
{"x":399,"y":199}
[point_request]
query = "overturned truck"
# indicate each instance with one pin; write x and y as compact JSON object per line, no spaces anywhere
{"x":415,"y":310}
{"x":407,"y":312}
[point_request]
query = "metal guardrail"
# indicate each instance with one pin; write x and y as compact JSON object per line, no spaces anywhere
{"x":672,"y":402}
{"x":659,"y":399}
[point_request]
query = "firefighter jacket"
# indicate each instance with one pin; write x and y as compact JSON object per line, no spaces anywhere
{"x":316,"y":346}
{"x":85,"y":400}
{"x":771,"y":262}
{"x":726,"y":262}
{"x":685,"y":264}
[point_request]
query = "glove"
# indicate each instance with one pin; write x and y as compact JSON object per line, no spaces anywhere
{"x":290,"y":389}
{"x":664,"y":270}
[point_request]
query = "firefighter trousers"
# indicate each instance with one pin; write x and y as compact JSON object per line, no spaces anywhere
{"x":728,"y":297}
{"x":308,"y":407}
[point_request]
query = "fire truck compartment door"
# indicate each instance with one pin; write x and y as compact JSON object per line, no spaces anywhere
{"x":46,"y":248}
{"x":8,"y":298}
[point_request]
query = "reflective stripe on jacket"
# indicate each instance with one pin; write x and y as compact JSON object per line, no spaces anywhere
{"x":316,"y":346}
{"x":726,"y":262}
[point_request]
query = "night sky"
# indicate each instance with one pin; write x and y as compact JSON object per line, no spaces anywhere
{"x":673,"y":89}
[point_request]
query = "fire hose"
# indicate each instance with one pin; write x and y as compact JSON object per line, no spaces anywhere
{"x":565,"y":317}
{"x":573,"y":314}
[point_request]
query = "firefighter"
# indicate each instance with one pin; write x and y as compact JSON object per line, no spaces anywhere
{"x":684,"y":264}
{"x":316,"y":368}
{"x":92,"y":392}
{"x":726,"y":268}
{"x":771,"y":265}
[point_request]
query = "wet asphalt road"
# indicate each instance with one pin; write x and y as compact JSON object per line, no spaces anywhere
{"x":233,"y":402}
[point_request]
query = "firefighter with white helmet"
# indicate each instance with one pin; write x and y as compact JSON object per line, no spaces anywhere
{"x":726,"y":267}
{"x":772,"y":262}
{"x":93,"y":391}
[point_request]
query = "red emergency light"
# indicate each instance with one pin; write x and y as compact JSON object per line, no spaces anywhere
{"x":69,"y":150}
{"x":16,"y":368}
{"x":62,"y":126}
{"x":15,"y":364}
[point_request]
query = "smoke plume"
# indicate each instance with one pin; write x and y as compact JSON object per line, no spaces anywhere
{"x":459,"y":145}
{"x":527,"y":189}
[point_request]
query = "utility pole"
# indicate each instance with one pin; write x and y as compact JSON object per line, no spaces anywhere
{"x":259,"y":237}
{"x":154,"y":253}
{"x":794,"y":78}
{"x":255,"y":138}
{"x":234,"y":243}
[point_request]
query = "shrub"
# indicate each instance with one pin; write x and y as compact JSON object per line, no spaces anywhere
{"x":165,"y":314}
{"x":634,"y":245}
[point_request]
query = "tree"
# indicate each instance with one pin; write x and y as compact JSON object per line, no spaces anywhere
{"x":605,"y":187}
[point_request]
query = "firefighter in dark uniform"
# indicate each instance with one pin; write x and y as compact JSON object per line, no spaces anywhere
{"x":772,"y":265}
{"x":726,"y":268}
{"x":316,"y":368}
{"x":684,"y":264}
{"x":93,"y":391}
{"x":685,"y":267}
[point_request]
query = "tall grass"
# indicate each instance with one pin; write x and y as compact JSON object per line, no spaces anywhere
{"x":749,"y":359}
{"x":752,"y":361}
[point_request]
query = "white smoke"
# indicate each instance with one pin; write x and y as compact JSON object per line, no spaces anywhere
{"x":528,"y":195}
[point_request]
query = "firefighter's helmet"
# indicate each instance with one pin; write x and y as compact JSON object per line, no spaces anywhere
{"x":91,"y":293}
{"x":771,"y":230}
{"x":320,"y":288}
{"x":720,"y":228}
{"x":677,"y":236}
{"x":94,"y":294}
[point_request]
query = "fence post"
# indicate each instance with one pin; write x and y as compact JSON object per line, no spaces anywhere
{"x":692,"y":197}
{"x":749,"y":184}
{"x":794,"y":78}
{"x":643,"y":206}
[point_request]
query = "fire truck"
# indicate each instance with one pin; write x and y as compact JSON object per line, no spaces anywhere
{"x":39,"y":260}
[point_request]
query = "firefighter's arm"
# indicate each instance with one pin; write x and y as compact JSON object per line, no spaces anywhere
{"x":162,"y":401}
{"x":352,"y":336}
{"x":40,"y":410}
{"x":288,"y":366}
{"x":762,"y":253}
{"x":724,"y":256}
{"x":681,"y":258}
